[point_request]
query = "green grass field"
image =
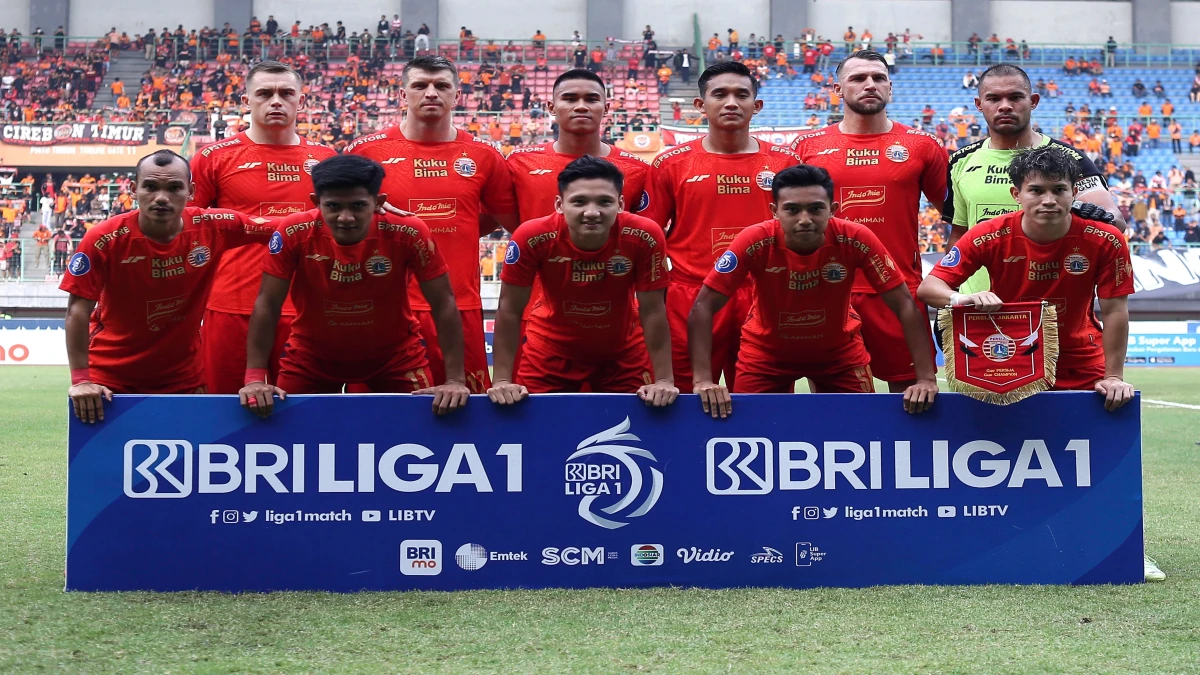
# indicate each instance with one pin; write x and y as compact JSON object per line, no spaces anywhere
{"x":1143,"y":628}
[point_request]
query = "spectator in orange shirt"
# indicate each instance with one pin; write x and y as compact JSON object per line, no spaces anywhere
{"x":1153,"y":132}
{"x":1176,"y":131}
{"x":539,"y":39}
{"x":1071,"y":67}
{"x":1144,"y":110}
{"x":514,"y":132}
{"x":664,"y":79}
{"x":1193,"y":142}
{"x":714,"y":46}
{"x":495,"y":132}
{"x":1168,"y":108}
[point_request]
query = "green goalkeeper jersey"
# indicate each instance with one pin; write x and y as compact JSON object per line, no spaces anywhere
{"x":979,"y":186}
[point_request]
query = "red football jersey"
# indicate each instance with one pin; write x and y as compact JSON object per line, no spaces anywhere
{"x":448,"y":186}
{"x":261,"y":180}
{"x":802,"y":302}
{"x":351,"y":301}
{"x":1092,"y":259}
{"x":878,"y":180}
{"x":535,"y":172}
{"x":145,"y":332}
{"x":587,"y":306}
{"x":708,"y":198}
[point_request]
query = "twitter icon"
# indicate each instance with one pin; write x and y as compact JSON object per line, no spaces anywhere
{"x":250,"y":516}
{"x":830,"y":512}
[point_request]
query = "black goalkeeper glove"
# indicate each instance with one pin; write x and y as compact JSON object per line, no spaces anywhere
{"x":1091,"y":212}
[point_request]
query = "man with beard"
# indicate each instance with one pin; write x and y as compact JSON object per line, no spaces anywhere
{"x":979,"y":186}
{"x":880,"y":168}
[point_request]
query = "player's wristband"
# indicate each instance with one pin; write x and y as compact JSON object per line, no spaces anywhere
{"x":255,"y":375}
{"x":956,"y":299}
{"x":79,"y":376}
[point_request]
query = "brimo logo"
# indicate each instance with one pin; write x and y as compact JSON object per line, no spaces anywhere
{"x":165,"y":469}
{"x":593,"y":481}
{"x":748,"y":466}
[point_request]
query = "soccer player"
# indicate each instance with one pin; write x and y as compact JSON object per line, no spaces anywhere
{"x":592,"y":259}
{"x":1044,"y":252}
{"x":798,"y":266}
{"x":707,"y":191}
{"x":150,"y":271}
{"x":264,"y":171}
{"x":350,"y":270}
{"x":880,"y":168}
{"x":458,"y":185}
{"x":579,"y":105}
{"x":979,"y":186}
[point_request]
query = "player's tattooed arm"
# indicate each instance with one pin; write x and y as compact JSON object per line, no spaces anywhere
{"x":87,"y":397}
{"x":258,"y":395}
{"x":513,"y":300}
{"x":1116,"y":391}
{"x":917,"y":397}
{"x":713,"y":397}
{"x":652,"y":309}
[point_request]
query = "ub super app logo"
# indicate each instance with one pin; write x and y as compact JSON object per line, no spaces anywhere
{"x":609,"y":478}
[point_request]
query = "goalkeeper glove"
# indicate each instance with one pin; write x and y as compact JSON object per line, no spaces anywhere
{"x":1091,"y":212}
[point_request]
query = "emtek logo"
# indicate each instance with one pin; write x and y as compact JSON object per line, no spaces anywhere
{"x":250,"y":165}
{"x":154,"y":468}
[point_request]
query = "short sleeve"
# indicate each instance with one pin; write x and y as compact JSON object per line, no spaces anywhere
{"x":1115,"y":276}
{"x":875,"y":263}
{"x":239,"y":229}
{"x":935,"y":178}
{"x":660,"y":196}
{"x":87,"y":269}
{"x":520,"y":264}
{"x":206,"y":184}
{"x":735,"y":263}
{"x":425,"y":259}
{"x":499,"y":197}
{"x":956,"y":210}
{"x":283,"y":250}
{"x":652,"y":263}
{"x":959,"y":263}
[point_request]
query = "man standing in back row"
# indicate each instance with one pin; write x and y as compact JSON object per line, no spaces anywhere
{"x":704,"y":193}
{"x":459,"y":186}
{"x":880,"y":168}
{"x":265,"y":171}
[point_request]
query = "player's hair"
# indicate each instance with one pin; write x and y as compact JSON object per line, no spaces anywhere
{"x":862,"y":55}
{"x":430,"y":64}
{"x":801,"y":175}
{"x":1005,"y":70}
{"x":1048,"y":161}
{"x":723,"y":68}
{"x":163,"y":158}
{"x":587,"y":167}
{"x":273,"y":67}
{"x":579,"y":74}
{"x":346,"y":172}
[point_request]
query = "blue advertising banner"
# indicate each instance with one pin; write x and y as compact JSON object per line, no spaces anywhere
{"x":346,"y":493}
{"x":1163,"y":349}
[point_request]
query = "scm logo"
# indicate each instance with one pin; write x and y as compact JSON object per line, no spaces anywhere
{"x":573,"y":555}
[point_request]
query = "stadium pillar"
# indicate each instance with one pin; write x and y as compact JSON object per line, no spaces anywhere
{"x":789,"y":18}
{"x":49,"y":14}
{"x":970,"y":16}
{"x":605,"y":19}
{"x":1152,"y":21}
{"x":236,"y":13}
{"x":416,"y":12}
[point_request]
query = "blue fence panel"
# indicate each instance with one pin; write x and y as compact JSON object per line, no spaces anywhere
{"x":346,"y":493}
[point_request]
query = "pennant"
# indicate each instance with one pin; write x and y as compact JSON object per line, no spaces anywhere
{"x":1003,"y":356}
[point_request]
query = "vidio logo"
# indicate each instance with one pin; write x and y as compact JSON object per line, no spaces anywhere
{"x":622,"y":478}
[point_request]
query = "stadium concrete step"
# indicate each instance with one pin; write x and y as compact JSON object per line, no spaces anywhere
{"x":129,"y":67}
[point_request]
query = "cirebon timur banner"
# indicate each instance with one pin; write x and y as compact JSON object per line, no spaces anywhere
{"x":346,"y":493}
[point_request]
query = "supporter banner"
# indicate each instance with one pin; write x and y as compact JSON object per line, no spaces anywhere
{"x":22,"y":347}
{"x":346,"y":493}
{"x":1163,"y":349}
{"x":1000,"y":357}
{"x":75,"y":132}
{"x":89,"y":156}
{"x":678,"y":135}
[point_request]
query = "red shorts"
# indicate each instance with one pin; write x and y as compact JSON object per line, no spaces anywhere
{"x":223,"y":341}
{"x":884,"y":338}
{"x":474,"y":348}
{"x":301,"y":372}
{"x":118,"y":388}
{"x":727,"y":333}
{"x":545,"y":373}
{"x":1084,"y":377}
{"x":762,"y":376}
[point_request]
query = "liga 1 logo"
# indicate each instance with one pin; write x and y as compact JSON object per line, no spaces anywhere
{"x":1003,"y":356}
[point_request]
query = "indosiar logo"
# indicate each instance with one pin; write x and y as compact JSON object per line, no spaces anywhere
{"x":620,"y":482}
